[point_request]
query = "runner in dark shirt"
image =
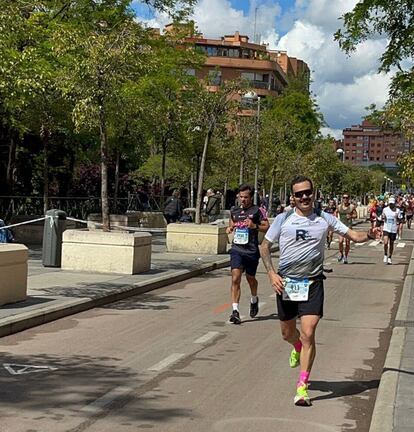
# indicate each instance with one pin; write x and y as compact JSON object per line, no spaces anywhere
{"x":245,"y":223}
{"x":331,"y":209}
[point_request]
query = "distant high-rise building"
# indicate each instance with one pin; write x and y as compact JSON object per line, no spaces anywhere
{"x":368,"y":144}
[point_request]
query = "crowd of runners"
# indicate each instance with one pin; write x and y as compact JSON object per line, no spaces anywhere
{"x":303,"y":232}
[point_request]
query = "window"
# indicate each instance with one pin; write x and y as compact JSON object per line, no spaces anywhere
{"x":248,"y":75}
{"x":214,"y":77}
{"x":246,"y":54}
{"x":190,"y":72}
{"x":234,"y":52}
{"x":212,"y":51}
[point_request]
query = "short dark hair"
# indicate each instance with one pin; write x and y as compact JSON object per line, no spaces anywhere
{"x":300,"y":179}
{"x":247,"y":187}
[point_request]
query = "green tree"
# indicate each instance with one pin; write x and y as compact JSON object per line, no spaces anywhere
{"x":210,"y":110}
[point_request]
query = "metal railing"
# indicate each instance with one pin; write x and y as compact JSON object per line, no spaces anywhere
{"x":78,"y":207}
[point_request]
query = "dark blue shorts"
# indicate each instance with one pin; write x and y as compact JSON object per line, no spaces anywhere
{"x":246,"y":262}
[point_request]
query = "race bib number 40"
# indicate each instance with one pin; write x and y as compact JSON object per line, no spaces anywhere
{"x":241,"y":236}
{"x":296,"y":289}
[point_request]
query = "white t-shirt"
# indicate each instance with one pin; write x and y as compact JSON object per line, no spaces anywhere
{"x":390,"y":218}
{"x":302,"y":242}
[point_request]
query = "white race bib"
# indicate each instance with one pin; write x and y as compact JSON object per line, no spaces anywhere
{"x":296,"y":289}
{"x":390,"y":226}
{"x":241,"y":236}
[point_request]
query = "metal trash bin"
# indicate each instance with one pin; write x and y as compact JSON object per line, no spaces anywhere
{"x":52,"y":238}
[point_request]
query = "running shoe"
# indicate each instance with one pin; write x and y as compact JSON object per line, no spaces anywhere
{"x":389,"y":260}
{"x":385,"y":259}
{"x":235,"y":317}
{"x":340,"y":258}
{"x":345,"y":260}
{"x":294,"y":359}
{"x":302,"y":397}
{"x":254,"y":308}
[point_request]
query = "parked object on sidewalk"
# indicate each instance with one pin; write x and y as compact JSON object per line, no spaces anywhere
{"x":5,"y":234}
{"x":54,"y":226}
{"x":13,"y":280}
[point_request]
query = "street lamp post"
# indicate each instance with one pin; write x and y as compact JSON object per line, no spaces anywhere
{"x":340,"y":152}
{"x":252,"y":96}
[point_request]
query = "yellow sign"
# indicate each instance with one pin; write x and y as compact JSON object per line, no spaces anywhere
{"x":403,"y":187}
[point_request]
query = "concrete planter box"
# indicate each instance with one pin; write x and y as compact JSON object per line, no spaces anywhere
{"x":200,"y":239}
{"x":127,"y":219}
{"x":132,"y":219}
{"x":13,"y":270}
{"x":106,"y":252}
{"x":151,"y":219}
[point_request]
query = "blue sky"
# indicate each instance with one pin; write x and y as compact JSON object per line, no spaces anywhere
{"x":343,"y":86}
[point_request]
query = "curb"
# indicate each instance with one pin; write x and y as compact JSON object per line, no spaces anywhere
{"x":17,"y":323}
{"x":383,"y":414}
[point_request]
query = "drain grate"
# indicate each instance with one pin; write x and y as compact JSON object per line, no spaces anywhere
{"x":399,"y":323}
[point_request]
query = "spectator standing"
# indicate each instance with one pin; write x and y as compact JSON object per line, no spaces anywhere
{"x":5,"y":234}
{"x":213,"y":205}
{"x":173,"y":209}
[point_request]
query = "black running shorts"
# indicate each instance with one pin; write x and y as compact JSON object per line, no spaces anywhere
{"x":391,"y":236}
{"x":288,"y":310}
{"x":247,"y":262}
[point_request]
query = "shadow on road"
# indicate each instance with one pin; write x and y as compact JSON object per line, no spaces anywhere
{"x":337,"y":389}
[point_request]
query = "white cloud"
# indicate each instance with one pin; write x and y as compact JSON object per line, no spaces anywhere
{"x":336,"y":133}
{"x":312,"y":44}
{"x":344,"y":104}
{"x":214,"y":18}
{"x":343,"y":85}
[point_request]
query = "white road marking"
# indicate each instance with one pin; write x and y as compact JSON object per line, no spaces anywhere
{"x":374,"y":243}
{"x":272,"y":295}
{"x":100,"y":403}
{"x":21,"y":369}
{"x":207,"y":337}
{"x":166,"y":362}
{"x":401,"y":245}
{"x":360,"y":244}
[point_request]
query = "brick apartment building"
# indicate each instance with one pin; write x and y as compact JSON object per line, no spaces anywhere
{"x":368,"y":144}
{"x":234,"y":56}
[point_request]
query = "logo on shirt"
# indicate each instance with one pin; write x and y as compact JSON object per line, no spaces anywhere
{"x":302,"y":234}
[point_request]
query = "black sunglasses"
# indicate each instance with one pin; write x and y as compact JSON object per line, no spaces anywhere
{"x":300,"y":194}
{"x":345,"y":197}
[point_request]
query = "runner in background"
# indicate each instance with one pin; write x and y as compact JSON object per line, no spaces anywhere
{"x":346,"y":213}
{"x":245,"y":223}
{"x":331,"y":209}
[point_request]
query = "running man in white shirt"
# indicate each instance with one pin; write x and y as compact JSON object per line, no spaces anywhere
{"x":298,"y":282}
{"x":390,"y":216}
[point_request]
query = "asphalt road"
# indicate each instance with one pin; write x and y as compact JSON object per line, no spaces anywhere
{"x":169,"y":361}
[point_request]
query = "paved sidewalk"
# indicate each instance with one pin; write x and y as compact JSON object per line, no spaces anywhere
{"x":53,"y":293}
{"x":394,"y":406}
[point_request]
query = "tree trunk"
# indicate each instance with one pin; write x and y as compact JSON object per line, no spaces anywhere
{"x":163,"y":171}
{"x":116,"y":181}
{"x":272,"y":185}
{"x":44,"y":134}
{"x":104,"y":168}
{"x":11,"y":163}
{"x":241,"y":169}
{"x":201,"y":176}
{"x":223,"y":197}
